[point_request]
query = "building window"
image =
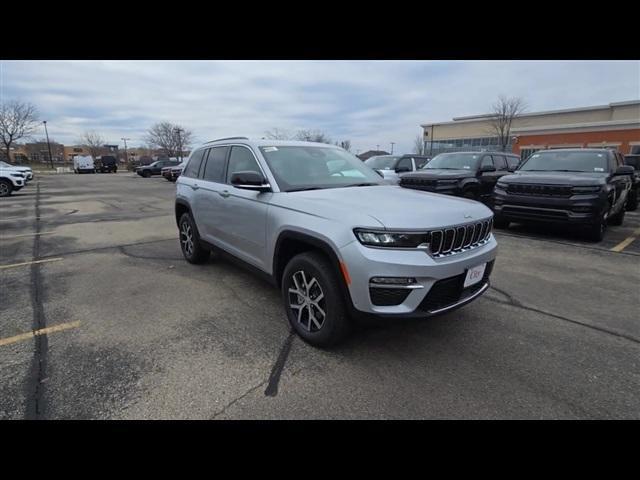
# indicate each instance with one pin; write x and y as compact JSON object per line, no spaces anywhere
{"x":635,"y":150}
{"x":527,"y":152}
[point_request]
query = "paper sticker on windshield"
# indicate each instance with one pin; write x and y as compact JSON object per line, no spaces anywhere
{"x":270,"y":149}
{"x":466,"y":167}
{"x":535,"y":156}
{"x":598,"y":169}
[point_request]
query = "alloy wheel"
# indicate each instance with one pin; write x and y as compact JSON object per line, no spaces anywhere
{"x":307,"y":301}
{"x":186,"y":238}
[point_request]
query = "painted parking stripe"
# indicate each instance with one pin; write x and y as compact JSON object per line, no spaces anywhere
{"x":30,"y":263}
{"x":35,"y":333}
{"x":626,"y":242}
{"x":26,"y":235}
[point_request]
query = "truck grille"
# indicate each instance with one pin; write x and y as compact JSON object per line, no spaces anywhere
{"x":539,"y":190}
{"x":449,"y":291}
{"x":460,"y":238}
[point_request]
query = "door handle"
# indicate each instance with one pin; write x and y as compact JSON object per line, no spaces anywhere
{"x":224,"y":193}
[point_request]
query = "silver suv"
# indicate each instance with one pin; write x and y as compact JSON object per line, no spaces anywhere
{"x":320,"y":225}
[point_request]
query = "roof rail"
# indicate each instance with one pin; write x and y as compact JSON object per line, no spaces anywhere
{"x":227,"y":138}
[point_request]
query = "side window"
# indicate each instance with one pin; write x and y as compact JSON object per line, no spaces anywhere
{"x":420,"y":162}
{"x":404,"y":163}
{"x":486,"y":160}
{"x":214,"y":168}
{"x":512,"y":162}
{"x":240,"y":160}
{"x":193,"y":166}
{"x":500,"y":162}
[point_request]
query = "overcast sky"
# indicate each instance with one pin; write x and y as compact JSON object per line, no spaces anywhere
{"x":369,"y":102}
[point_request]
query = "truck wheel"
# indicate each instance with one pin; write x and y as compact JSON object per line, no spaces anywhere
{"x":313,"y":301}
{"x":5,"y":188}
{"x":190,"y":244}
{"x":470,"y":194}
{"x":632,"y":201}
{"x":597,"y":230}
{"x":500,"y":222}
{"x":618,"y":218}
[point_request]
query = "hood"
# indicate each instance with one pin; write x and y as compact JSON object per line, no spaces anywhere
{"x":17,"y":168}
{"x":441,"y":174}
{"x":556,"y":178}
{"x":387,"y":206}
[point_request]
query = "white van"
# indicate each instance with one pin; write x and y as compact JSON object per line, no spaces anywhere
{"x":83,"y":164}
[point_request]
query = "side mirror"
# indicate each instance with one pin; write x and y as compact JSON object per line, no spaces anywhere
{"x":487,"y":168}
{"x":250,"y":180}
{"x":624,"y":170}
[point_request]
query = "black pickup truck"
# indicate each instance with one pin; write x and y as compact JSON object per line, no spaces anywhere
{"x":634,"y":161}
{"x":583,"y":187}
{"x":464,"y":174}
{"x":106,"y":163}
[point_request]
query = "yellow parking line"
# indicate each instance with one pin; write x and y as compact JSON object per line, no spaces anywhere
{"x":42,"y":331}
{"x":623,"y":244}
{"x":30,"y":263}
{"x":26,"y":235}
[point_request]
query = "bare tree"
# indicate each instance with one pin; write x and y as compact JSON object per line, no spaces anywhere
{"x":346,"y":144}
{"x":94,"y":142}
{"x":504,"y":110}
{"x":172,"y":139}
{"x":418,"y":145}
{"x":312,"y":136}
{"x":17,"y":120}
{"x":278,"y":134}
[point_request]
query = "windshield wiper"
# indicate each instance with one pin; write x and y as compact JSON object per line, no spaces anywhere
{"x":579,"y":171}
{"x":304,"y":189}
{"x":365,"y":184}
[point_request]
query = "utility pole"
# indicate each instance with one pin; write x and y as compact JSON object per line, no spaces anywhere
{"x":377,"y":148}
{"x":48,"y":144}
{"x":392,"y":144}
{"x":178,"y":130}
{"x":126,"y":157}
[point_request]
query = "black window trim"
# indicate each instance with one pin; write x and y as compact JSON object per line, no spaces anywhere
{"x":224,"y":167}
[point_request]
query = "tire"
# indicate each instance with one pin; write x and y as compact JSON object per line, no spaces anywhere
{"x":632,"y":201}
{"x":500,"y":222}
{"x":192,"y":250}
{"x":313,"y":269}
{"x":597,"y":230}
{"x":146,"y":174}
{"x":470,"y":194}
{"x":6,"y":187}
{"x":618,"y":218}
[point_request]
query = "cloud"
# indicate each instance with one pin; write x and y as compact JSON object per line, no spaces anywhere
{"x":369,"y":102}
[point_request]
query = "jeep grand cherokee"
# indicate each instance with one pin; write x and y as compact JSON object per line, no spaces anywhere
{"x":321,"y":226}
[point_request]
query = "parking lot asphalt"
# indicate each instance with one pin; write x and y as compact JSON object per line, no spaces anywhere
{"x":126,"y":329}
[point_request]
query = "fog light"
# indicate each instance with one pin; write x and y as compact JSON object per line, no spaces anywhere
{"x":394,"y":280}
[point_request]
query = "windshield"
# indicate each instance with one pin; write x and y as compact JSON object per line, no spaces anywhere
{"x":566,"y":161}
{"x":383,"y":162}
{"x":304,"y":168}
{"x":454,"y":161}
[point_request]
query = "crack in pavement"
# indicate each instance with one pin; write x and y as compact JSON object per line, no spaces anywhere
{"x":517,"y":304}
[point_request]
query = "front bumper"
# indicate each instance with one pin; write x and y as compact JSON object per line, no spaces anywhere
{"x":439,"y":281}
{"x":583,"y":209}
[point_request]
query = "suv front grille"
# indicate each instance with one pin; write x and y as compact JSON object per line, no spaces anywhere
{"x":449,"y":291}
{"x":539,"y":190}
{"x":458,"y":239}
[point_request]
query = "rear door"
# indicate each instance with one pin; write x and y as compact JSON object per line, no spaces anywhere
{"x":243,"y":215}
{"x":189,"y":179}
{"x":210,"y":198}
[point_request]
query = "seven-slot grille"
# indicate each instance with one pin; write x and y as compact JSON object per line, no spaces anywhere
{"x":458,"y":239}
{"x":539,"y":190}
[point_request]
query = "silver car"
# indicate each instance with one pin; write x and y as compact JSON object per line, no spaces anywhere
{"x":322,"y":226}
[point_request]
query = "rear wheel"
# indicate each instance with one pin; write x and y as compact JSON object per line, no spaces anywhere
{"x":5,"y":188}
{"x":313,"y":300}
{"x":192,"y":250}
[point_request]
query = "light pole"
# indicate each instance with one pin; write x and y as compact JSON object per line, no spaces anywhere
{"x":48,"y":144}
{"x":377,"y":148}
{"x":392,"y":144}
{"x":126,"y":157}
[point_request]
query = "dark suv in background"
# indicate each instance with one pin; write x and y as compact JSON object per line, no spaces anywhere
{"x":464,"y":174}
{"x":633,"y":161}
{"x":586,"y":187}
{"x":155,"y":168}
{"x":106,"y":164}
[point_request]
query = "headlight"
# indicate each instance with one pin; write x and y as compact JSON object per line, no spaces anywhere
{"x":502,"y":185}
{"x":16,"y":174}
{"x":391,"y":239}
{"x":588,"y":189}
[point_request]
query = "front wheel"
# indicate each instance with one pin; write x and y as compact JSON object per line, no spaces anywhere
{"x":597,"y":230}
{"x":313,"y":300}
{"x":632,"y":201}
{"x":618,"y":218}
{"x":5,"y":188}
{"x":192,"y":250}
{"x":146,"y":174}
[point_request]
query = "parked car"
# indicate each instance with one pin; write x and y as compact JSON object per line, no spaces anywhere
{"x":390,"y":167}
{"x":83,"y":163}
{"x":106,"y":163}
{"x":471,"y":175}
{"x":171,"y":173}
{"x":634,"y":161}
{"x":28,"y":172}
{"x":11,"y":181}
{"x":155,"y":168}
{"x":325,"y":229}
{"x":583,"y":187}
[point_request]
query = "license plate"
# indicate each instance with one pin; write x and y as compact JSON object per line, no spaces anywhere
{"x":474,"y":275}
